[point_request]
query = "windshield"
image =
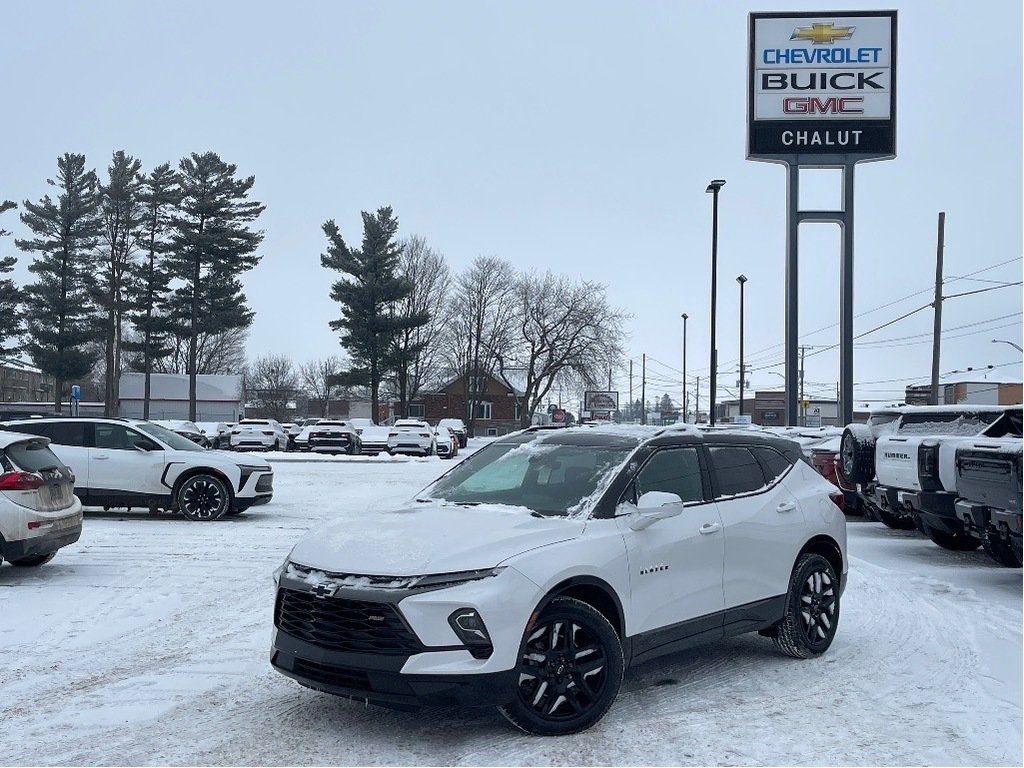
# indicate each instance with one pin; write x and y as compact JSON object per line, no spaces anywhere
{"x":173,"y":439}
{"x":549,"y":478}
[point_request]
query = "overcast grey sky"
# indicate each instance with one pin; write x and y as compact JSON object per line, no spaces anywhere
{"x":572,"y":136}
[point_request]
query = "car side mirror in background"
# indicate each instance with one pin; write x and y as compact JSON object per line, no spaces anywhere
{"x":146,"y":446}
{"x":653,"y":506}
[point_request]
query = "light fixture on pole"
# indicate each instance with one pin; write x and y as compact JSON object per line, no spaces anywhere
{"x":742,"y":279}
{"x":713,"y":187}
{"x":685,"y":411}
{"x":1011,"y":343}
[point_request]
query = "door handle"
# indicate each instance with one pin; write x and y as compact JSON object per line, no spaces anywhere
{"x":709,"y":528}
{"x":101,"y":457}
{"x":786,"y":506}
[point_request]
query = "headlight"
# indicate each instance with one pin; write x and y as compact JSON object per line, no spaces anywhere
{"x":460,"y":577}
{"x":278,"y":571}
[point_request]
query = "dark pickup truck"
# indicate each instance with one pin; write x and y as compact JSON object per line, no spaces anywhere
{"x":988,"y":482}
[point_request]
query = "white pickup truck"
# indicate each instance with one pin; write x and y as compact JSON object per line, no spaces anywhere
{"x":884,"y":456}
{"x":915,"y":468}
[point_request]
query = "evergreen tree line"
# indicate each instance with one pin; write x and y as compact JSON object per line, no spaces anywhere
{"x":140,"y":272}
{"x":408,"y":322}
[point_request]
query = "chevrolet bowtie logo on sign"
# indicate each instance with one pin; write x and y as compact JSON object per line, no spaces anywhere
{"x":823,"y":34}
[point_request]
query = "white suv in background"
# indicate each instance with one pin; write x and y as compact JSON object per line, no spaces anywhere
{"x":258,"y":435}
{"x":533,"y":573}
{"x":39,"y":512}
{"x":134,"y":463}
{"x":412,"y":436}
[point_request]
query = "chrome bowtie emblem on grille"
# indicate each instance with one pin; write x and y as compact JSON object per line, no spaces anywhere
{"x":324,"y":590}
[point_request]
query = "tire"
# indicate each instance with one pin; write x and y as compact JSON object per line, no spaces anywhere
{"x":540,"y":705}
{"x":957,"y":542}
{"x":999,"y":549}
{"x":203,"y":498}
{"x":32,"y":562}
{"x":802,"y":633}
{"x":857,"y":454}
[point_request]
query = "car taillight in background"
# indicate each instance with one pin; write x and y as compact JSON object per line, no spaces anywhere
{"x":392,"y":434}
{"x":928,"y":467}
{"x":424,"y":434}
{"x":20,"y":481}
{"x":839,"y":499}
{"x":269,"y":434}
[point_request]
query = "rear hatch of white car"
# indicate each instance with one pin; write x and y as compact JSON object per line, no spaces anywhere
{"x":34,"y":478}
{"x":409,"y":436}
{"x":330,"y":437}
{"x":252,"y":434}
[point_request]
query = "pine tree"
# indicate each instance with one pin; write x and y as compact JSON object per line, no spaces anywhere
{"x":368,"y":325}
{"x":10,"y":296}
{"x":211,"y":245}
{"x":121,"y":213}
{"x":149,"y":284}
{"x":58,"y":307}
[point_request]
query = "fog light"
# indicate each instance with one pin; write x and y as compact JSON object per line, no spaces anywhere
{"x":472,"y":632}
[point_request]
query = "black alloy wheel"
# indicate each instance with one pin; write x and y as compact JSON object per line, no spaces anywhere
{"x":203,"y":498}
{"x":812,"y":609}
{"x":570,"y":669}
{"x":999,"y":549}
{"x":957,"y":542}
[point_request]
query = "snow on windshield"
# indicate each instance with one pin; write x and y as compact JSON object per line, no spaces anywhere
{"x":964,"y":425}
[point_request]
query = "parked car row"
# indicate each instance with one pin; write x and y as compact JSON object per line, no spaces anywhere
{"x":952,"y":472}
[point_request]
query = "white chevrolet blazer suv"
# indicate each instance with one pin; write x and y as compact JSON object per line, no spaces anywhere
{"x":533,"y":573}
{"x":135,"y":463}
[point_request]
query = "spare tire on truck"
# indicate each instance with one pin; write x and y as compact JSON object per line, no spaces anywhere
{"x":857,"y":454}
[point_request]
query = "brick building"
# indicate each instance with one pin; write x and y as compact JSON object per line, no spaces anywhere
{"x":498,"y":409}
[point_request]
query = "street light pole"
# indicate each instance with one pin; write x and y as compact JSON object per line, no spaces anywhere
{"x":685,"y":412}
{"x":713,"y":187}
{"x":742,"y":279}
{"x":1004,"y":341}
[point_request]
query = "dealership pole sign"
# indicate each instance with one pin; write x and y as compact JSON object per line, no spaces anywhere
{"x":821,"y":93}
{"x":822,"y":84}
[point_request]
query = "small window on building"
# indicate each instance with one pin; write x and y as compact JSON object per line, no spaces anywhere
{"x":483,"y":411}
{"x":417,"y":410}
{"x":492,"y":431}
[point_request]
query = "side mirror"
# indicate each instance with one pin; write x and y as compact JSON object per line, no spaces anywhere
{"x":653,"y":506}
{"x":146,"y":446}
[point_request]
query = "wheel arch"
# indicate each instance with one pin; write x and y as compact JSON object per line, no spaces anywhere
{"x":593,"y":591}
{"x":828,"y":548}
{"x":193,"y":471}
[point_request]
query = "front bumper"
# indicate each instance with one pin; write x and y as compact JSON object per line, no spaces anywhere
{"x":376,"y":680}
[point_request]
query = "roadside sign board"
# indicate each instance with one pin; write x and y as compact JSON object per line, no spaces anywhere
{"x":594,"y":400}
{"x":822,"y":84}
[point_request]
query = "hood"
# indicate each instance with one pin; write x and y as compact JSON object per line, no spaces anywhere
{"x":425,"y":539}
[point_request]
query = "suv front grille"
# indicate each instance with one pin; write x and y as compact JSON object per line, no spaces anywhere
{"x":339,"y":624}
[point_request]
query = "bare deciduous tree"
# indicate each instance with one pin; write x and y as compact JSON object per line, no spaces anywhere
{"x":565,"y":333}
{"x":271,"y":384}
{"x":415,"y":350}
{"x":484,"y":310}
{"x":317,"y":377}
{"x":222,"y":352}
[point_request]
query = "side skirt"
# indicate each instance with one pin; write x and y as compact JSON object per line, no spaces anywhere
{"x":751,"y":617}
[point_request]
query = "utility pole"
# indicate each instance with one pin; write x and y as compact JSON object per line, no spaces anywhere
{"x":643,"y":390}
{"x":609,"y":378}
{"x":803,"y":408}
{"x":937,"y":329}
{"x":696,"y":415}
{"x":631,"y":403}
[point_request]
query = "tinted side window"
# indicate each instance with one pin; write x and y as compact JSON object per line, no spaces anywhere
{"x":775,"y":464}
{"x":736,"y":470}
{"x":115,"y":436}
{"x":674,"y":470}
{"x":44,"y":430}
{"x":68,"y":433}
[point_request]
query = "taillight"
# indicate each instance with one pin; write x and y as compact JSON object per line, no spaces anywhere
{"x":20,"y":481}
{"x":269,"y":434}
{"x":839,"y":499}
{"x":392,"y":434}
{"x":424,"y":434}
{"x":928,"y":466}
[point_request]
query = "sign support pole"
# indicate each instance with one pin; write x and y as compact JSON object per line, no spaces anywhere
{"x":792,"y":289}
{"x":846,"y":301}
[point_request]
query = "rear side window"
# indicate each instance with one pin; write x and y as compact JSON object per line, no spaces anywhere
{"x":673,"y":470}
{"x":32,"y":456}
{"x":69,"y":433}
{"x":775,"y":464}
{"x":736,"y":470}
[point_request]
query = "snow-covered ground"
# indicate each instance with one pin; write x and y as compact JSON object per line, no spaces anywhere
{"x":147,"y":643}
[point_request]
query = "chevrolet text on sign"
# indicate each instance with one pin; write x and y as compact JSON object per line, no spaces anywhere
{"x":822,"y":84}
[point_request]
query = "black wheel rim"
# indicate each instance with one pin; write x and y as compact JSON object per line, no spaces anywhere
{"x":818,"y":607}
{"x":563,"y":670}
{"x":202,"y":500}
